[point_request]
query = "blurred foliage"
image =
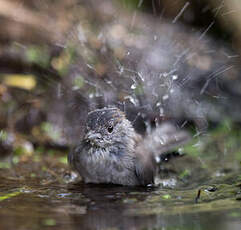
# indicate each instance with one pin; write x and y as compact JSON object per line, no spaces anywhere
{"x":130,"y":4}
{"x":3,"y":135}
{"x":38,"y":55}
{"x":5,"y":165}
{"x":63,"y":61}
{"x":9,"y":195}
{"x":50,"y":131}
{"x":21,"y":81}
{"x":78,"y":83}
{"x":49,"y":222}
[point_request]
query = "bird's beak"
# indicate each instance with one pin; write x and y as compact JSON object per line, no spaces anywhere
{"x":92,"y":136}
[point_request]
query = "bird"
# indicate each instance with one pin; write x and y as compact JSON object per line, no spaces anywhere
{"x":112,"y":152}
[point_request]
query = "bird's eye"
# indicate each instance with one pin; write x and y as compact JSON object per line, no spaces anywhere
{"x":110,"y":129}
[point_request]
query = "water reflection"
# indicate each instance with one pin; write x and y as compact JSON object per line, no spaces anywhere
{"x":110,"y":207}
{"x":108,"y":210}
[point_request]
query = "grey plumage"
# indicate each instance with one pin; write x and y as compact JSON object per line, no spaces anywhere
{"x":112,"y":152}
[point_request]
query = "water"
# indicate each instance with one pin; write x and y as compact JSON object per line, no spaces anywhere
{"x":29,"y":205}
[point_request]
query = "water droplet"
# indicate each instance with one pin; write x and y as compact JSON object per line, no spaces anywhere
{"x":174,"y":77}
{"x":161,"y":111}
{"x":158,"y":104}
{"x":165,"y":97}
{"x":165,"y":74}
{"x":133,"y":86}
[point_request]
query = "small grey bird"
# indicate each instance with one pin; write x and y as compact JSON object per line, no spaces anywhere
{"x":112,"y":152}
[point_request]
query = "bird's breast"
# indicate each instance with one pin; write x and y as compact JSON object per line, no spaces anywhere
{"x":102,"y":166}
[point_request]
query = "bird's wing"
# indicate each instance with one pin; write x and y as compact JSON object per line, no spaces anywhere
{"x":145,"y":166}
{"x":164,"y":138}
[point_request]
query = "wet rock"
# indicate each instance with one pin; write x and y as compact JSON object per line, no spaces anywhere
{"x":211,"y":188}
